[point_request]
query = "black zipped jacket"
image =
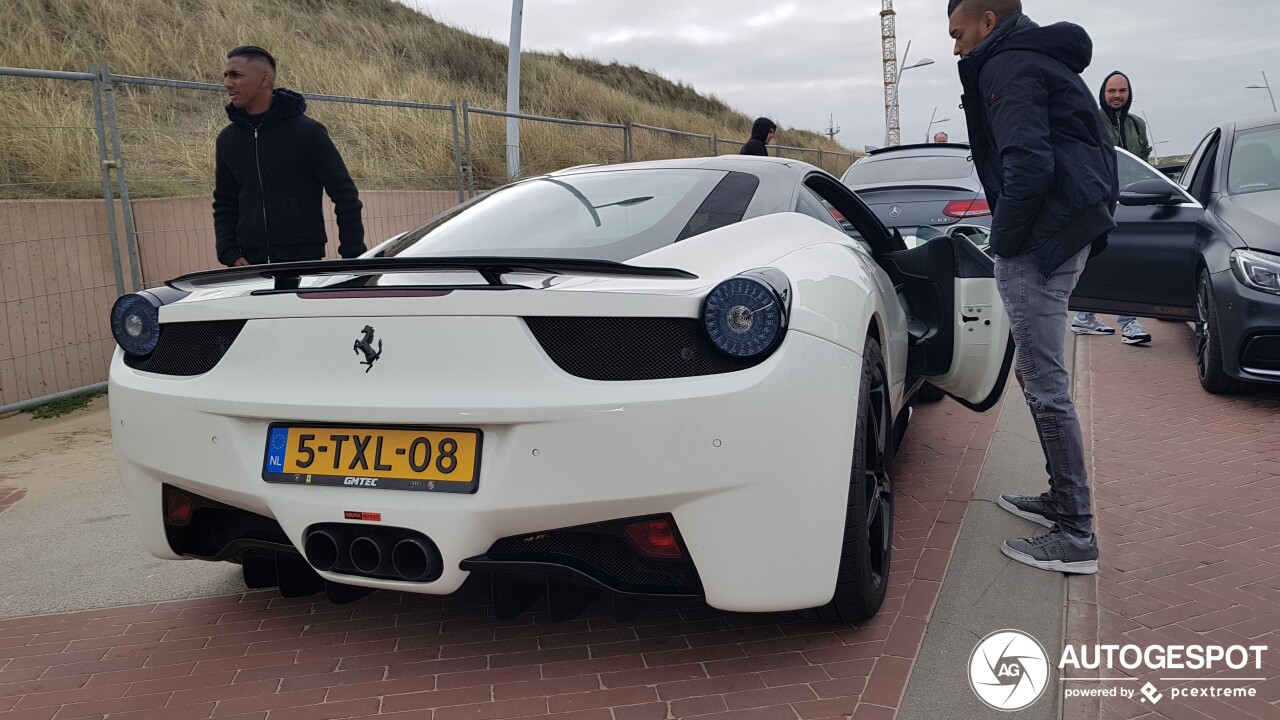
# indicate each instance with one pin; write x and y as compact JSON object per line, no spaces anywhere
{"x":267,"y":197}
{"x":1036,"y":133}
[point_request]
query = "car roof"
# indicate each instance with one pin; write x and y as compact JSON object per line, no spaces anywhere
{"x":1256,"y":122}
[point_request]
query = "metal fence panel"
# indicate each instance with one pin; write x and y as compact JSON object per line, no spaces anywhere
{"x":658,"y":143}
{"x":59,"y":256}
{"x":546,"y":145}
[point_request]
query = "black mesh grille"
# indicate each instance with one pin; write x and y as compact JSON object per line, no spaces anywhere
{"x":188,"y":349}
{"x":601,"y":554}
{"x":616,"y":348}
{"x":1263,"y":353}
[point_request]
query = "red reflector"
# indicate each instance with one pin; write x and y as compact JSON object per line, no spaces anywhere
{"x":967,"y":208}
{"x":654,"y":538}
{"x":178,"y":507}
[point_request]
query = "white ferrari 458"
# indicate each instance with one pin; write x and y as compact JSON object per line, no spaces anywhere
{"x":684,"y":378}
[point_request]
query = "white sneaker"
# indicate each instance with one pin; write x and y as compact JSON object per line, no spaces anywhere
{"x":1090,"y":325}
{"x":1134,"y":334}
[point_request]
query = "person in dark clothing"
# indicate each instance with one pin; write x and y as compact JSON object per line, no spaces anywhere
{"x":273,"y":162}
{"x":762,"y":132}
{"x":1129,"y":132}
{"x":1050,"y":175}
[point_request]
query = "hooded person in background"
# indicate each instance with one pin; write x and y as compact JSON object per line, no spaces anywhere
{"x":1126,"y":131}
{"x":273,"y":162}
{"x":762,"y":132}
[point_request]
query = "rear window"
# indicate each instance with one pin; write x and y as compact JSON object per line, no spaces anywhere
{"x":917,"y":168}
{"x":612,"y":215}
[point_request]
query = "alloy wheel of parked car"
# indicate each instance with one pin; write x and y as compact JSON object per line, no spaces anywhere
{"x":1208,"y":347}
{"x":868,"y":533}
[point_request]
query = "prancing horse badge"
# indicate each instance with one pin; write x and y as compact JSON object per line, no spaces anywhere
{"x":365,"y":345}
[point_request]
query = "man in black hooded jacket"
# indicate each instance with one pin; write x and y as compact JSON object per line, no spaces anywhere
{"x":272,"y":164}
{"x":762,"y":131}
{"x":1050,"y":175}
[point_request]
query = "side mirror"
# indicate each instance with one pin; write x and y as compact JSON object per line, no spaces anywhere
{"x":1149,"y":192}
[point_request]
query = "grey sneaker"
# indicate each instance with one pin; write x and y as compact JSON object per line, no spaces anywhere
{"x":1033,"y":508}
{"x":1057,"y":551}
{"x":1134,"y":334}
{"x":1087,"y":324}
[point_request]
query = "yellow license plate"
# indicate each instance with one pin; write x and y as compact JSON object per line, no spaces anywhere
{"x":433,"y":459}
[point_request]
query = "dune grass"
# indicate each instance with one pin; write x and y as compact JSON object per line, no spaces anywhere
{"x":359,"y":48}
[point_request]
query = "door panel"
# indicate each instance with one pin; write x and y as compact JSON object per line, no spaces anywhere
{"x":960,"y":339}
{"x":1148,"y":268}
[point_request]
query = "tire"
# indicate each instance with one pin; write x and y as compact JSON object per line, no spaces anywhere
{"x":1208,"y":346}
{"x":930,"y":393}
{"x":863,"y":576}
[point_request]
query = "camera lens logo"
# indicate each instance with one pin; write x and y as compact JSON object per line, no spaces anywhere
{"x":1008,"y":670}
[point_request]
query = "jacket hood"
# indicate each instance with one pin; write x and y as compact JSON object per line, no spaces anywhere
{"x":1064,"y":42}
{"x":760,"y":129}
{"x":285,"y":104}
{"x":1115,"y":115}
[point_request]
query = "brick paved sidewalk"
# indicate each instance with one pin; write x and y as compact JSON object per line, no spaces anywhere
{"x":396,"y":655}
{"x":1187,"y":494}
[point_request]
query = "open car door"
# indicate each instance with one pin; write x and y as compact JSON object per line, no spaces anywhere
{"x":960,"y":338}
{"x":958,"y":331}
{"x":1149,"y":266}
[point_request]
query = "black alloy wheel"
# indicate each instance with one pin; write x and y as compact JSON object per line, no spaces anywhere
{"x":1208,"y":347}
{"x":863,"y":576}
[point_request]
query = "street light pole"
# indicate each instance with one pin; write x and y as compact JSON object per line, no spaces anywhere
{"x":928,"y":133}
{"x":513,"y":90}
{"x":897,"y":87}
{"x":1264,"y":86}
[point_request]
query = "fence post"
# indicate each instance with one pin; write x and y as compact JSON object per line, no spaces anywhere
{"x":457,"y":157}
{"x":466,"y":134}
{"x":104,"y":164}
{"x":820,"y":159}
{"x":628,"y":152}
{"x":126,"y":206}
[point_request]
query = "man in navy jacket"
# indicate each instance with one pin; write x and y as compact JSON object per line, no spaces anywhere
{"x":272,"y":164}
{"x":1049,"y":173}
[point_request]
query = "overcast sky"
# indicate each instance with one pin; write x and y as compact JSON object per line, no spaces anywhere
{"x":801,"y":61}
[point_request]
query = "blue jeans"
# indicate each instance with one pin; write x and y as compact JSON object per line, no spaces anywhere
{"x":1037,"y":307}
{"x":1085,"y":317}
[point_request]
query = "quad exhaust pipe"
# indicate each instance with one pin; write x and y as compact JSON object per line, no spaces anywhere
{"x":384,"y":553}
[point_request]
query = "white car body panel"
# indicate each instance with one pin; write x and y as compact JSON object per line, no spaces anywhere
{"x":698,"y":447}
{"x":753,"y":464}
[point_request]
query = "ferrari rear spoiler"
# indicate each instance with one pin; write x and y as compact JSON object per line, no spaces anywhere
{"x":287,"y":275}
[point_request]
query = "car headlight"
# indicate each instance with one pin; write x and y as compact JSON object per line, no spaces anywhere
{"x":1259,"y":271}
{"x":745,"y":317}
{"x":135,"y":323}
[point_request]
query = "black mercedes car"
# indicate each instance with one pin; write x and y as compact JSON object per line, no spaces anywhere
{"x":910,"y":186}
{"x":1206,"y":251}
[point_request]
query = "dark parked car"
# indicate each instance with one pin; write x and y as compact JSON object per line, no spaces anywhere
{"x":913,"y":185}
{"x":1207,"y":251}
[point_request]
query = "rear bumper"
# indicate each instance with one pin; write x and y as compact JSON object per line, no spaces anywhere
{"x":752,"y":465}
